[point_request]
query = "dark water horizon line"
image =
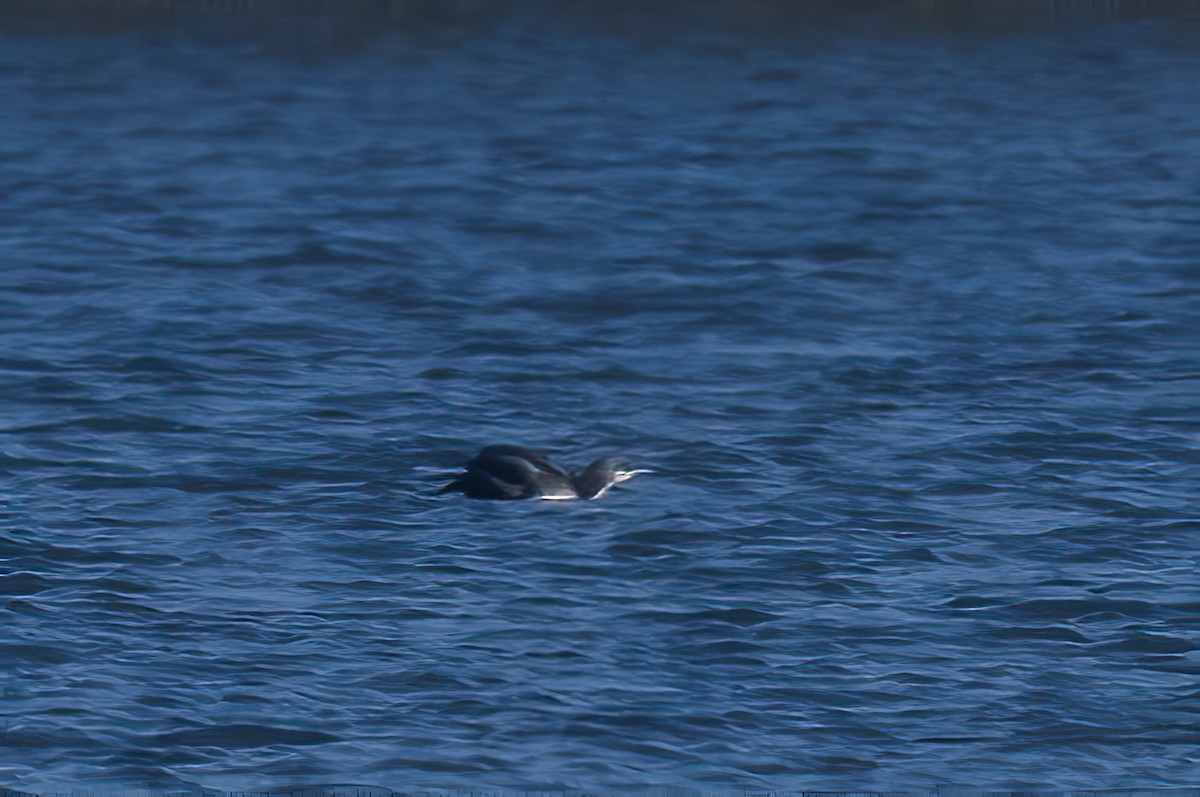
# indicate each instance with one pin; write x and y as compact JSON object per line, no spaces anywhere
{"x":361,"y":790}
{"x":373,"y":17}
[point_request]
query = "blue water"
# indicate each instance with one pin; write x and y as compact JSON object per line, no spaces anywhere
{"x":904,"y":318}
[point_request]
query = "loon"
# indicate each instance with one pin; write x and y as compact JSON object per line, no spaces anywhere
{"x":507,"y":472}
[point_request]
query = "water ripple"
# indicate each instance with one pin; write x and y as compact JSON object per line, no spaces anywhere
{"x":911,"y":349}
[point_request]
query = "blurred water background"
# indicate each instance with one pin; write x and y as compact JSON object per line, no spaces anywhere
{"x":899,"y":298}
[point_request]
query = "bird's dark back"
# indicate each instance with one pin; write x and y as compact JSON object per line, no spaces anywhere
{"x":498,"y":458}
{"x":507,"y":471}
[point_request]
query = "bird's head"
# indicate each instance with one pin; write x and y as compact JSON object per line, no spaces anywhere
{"x":602,"y":474}
{"x":620,"y":474}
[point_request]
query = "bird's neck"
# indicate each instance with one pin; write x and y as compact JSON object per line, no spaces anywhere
{"x":592,"y":482}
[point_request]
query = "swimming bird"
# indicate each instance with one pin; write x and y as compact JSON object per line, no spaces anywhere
{"x":506,"y":472}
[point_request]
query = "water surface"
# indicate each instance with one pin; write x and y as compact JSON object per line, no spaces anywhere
{"x":905,"y":319}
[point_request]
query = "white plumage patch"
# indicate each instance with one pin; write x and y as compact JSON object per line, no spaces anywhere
{"x":603,"y":490}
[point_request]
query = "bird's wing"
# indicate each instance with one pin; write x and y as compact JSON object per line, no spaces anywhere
{"x":505,"y":458}
{"x":514,"y":470}
{"x":480,"y":483}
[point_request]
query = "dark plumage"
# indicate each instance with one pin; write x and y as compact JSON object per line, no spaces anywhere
{"x":508,"y":472}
